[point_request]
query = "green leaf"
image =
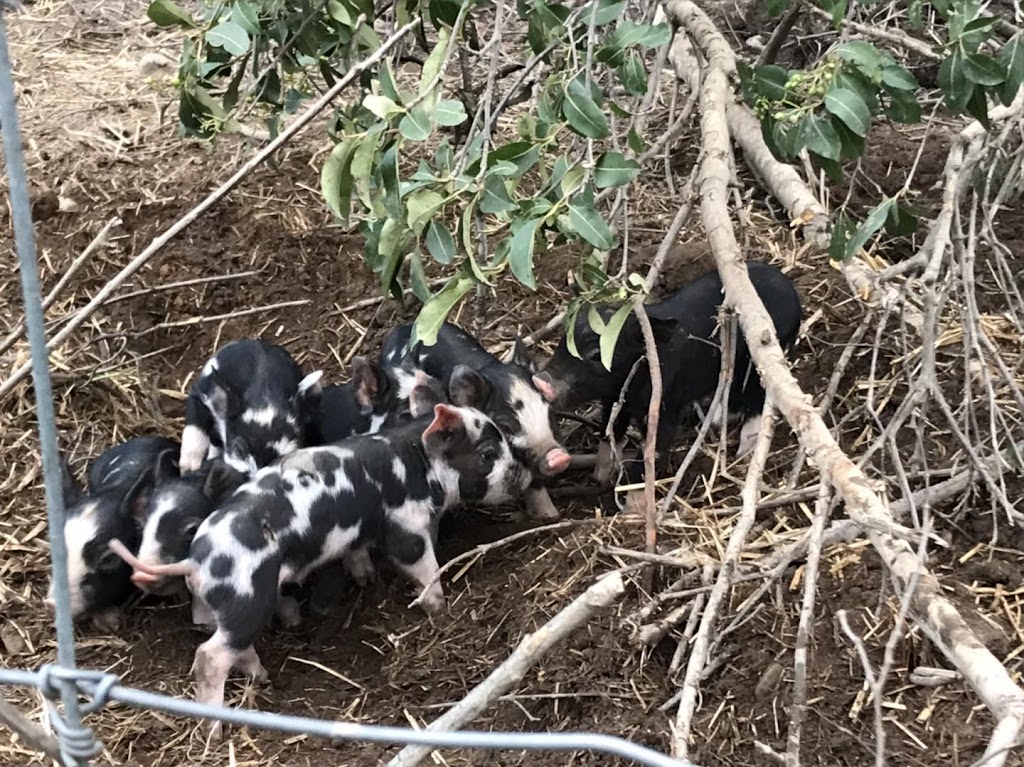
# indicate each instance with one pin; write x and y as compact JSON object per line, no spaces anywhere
{"x":582,"y":112}
{"x":896,"y":78}
{"x":229,"y":36}
{"x":769,"y":81}
{"x":362,"y":168}
{"x":832,"y":168}
{"x":418,"y":277}
{"x":648,"y":35}
{"x":607,"y":12}
{"x":861,"y":85}
{"x":977,"y":107}
{"x":389,"y":180}
{"x":851,"y":145}
{"x":165,"y":13}
{"x":776,"y":7}
{"x":850,"y":108}
{"x":429,"y":79}
{"x":983,"y":70}
{"x":953,"y":81}
{"x":636,"y":144}
{"x":247,"y":16}
{"x":449,"y":112}
{"x":522,"y":153}
{"x":436,"y":310}
{"x":387,"y":82}
{"x":415,"y":125}
{"x":903,"y":108}
{"x":443,"y":13}
{"x":614,"y":169}
{"x":421,"y":206}
{"x":820,"y":137}
{"x":336,"y":178}
{"x":980,"y":24}
{"x":495,"y":197}
{"x":381,"y":106}
{"x":610,"y":333}
{"x":900,"y":222}
{"x":632,"y":74}
{"x":874,"y":221}
{"x":521,"y":248}
{"x":339,"y":13}
{"x":842,"y":231}
{"x":571,"y":179}
{"x":440,"y":243}
{"x":1012,"y":59}
{"x":588,"y":224}
{"x":864,"y":56}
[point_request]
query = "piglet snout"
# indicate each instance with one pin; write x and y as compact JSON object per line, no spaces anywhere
{"x":143,"y":580}
{"x":555,"y":462}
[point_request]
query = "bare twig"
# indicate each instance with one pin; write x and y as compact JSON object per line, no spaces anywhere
{"x":606,"y":592}
{"x":653,"y":415}
{"x":33,"y":735}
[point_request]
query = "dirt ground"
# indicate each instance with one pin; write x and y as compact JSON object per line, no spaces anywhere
{"x":99,"y":146}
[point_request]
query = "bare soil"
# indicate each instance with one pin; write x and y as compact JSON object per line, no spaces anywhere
{"x":94,"y":135}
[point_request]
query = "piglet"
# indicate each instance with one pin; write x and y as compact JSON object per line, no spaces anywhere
{"x":507,"y":392}
{"x":685,"y":327}
{"x":253,"y":390}
{"x":333,"y":502}
{"x":120,"y":482}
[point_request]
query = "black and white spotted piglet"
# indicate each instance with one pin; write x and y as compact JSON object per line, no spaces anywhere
{"x":114,"y":506}
{"x":253,"y":391}
{"x":369,"y":403}
{"x":326,"y":503}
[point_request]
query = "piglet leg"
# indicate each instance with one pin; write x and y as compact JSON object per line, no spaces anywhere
{"x":604,"y":470}
{"x":360,"y":566}
{"x":413,"y":553}
{"x":539,"y":505}
{"x":211,"y":667}
{"x":288,"y":611}
{"x":202,"y":615}
{"x":249,"y":663}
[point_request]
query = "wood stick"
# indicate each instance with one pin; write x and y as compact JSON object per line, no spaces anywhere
{"x":653,"y":415}
{"x":607,"y":591}
{"x":212,"y":199}
{"x":76,"y":266}
{"x":32,"y":734}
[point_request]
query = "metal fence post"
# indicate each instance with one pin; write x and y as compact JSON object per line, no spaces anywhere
{"x":76,"y":740}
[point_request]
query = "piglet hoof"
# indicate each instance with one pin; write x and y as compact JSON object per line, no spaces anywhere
{"x":634,"y":503}
{"x":108,"y":620}
{"x":540,"y":507}
{"x":202,"y":615}
{"x":748,"y":436}
{"x":433,"y":601}
{"x":288,"y":612}
{"x":604,"y":468}
{"x":360,"y":568}
{"x":215,"y":732}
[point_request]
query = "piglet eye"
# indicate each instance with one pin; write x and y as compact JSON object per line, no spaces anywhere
{"x":108,"y":562}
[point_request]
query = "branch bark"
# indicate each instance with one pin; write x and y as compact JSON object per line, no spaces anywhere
{"x":606,"y":592}
{"x":780,"y":178}
{"x":33,"y":735}
{"x":929,"y":605}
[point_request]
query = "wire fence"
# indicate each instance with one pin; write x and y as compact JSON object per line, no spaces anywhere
{"x":63,"y":681}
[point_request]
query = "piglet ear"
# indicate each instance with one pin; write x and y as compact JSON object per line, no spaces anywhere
{"x":221,"y":481}
{"x":543,"y":383}
{"x":446,"y":421}
{"x":136,"y":501}
{"x":220,"y":399}
{"x":310,"y":386}
{"x":366,"y":380}
{"x":426,"y":393}
{"x":70,"y":489}
{"x":165,"y":468}
{"x":467,"y":388}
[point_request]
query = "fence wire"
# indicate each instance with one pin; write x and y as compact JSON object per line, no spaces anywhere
{"x":66,"y":682}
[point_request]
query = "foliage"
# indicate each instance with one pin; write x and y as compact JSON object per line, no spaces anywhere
{"x":420,"y":165}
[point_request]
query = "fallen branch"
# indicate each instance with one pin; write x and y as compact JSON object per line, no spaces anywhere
{"x":32,"y":734}
{"x":929,"y":605}
{"x":653,"y":415}
{"x":780,"y":178}
{"x":478,"y":551}
{"x":76,"y":266}
{"x":606,"y":592}
{"x":702,"y":641}
{"x":212,"y":199}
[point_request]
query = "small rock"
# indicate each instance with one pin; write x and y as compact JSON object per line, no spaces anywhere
{"x":12,"y":639}
{"x":756,"y":43}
